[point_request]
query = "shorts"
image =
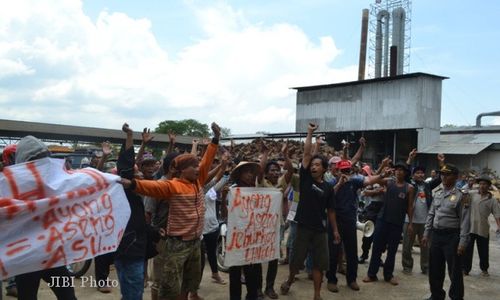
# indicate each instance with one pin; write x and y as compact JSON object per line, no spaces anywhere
{"x":181,"y":270}
{"x":314,"y":241}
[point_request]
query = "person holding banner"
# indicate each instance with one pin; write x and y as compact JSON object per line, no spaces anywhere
{"x":271,"y":178}
{"x":181,"y":272}
{"x":30,"y":148}
{"x":316,"y":198}
{"x":244,"y":175}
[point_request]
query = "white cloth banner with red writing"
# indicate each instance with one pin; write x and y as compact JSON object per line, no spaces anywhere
{"x":253,"y":226}
{"x":51,"y":217}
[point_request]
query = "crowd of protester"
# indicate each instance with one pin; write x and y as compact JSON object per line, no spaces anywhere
{"x":179,"y":201}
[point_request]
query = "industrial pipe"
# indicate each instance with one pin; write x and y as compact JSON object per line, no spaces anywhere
{"x":478,"y":118}
{"x":398,"y":36}
{"x":382,"y":19}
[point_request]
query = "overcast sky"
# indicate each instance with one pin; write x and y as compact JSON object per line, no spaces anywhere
{"x":100,"y":63}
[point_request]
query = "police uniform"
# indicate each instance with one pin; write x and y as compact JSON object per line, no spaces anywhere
{"x":449,"y":223}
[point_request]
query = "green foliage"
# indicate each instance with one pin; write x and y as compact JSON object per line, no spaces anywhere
{"x":184,"y":127}
{"x":225,"y":132}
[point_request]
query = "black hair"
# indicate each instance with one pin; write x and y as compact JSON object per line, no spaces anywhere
{"x":168,"y":160}
{"x":269,"y":164}
{"x":324,"y":161}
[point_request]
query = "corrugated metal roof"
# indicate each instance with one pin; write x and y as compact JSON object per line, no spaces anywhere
{"x":350,"y":83}
{"x":463,"y":143}
{"x":470,"y":129}
{"x":456,"y":148}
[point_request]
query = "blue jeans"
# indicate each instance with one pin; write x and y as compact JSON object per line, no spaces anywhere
{"x":131,"y":276}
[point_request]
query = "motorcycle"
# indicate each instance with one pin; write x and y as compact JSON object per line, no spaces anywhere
{"x":78,"y":269}
{"x":221,"y":248}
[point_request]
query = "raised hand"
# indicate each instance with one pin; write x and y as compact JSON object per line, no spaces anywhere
{"x":312,"y":127}
{"x":106,"y":148}
{"x":126,"y":128}
{"x":413,"y":153}
{"x":386,"y":161}
{"x":386,"y":172}
{"x":146,"y":135}
{"x":343,"y":179}
{"x":362,"y":141}
{"x":216,"y":130}
{"x":171,"y":136}
{"x":345,"y":145}
{"x":284,"y":148}
{"x":263,"y":147}
{"x":441,"y":158}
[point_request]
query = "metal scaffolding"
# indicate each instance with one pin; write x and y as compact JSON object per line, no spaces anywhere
{"x":389,"y":6}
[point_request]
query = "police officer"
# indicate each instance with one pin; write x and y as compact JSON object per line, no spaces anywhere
{"x":449,"y":223}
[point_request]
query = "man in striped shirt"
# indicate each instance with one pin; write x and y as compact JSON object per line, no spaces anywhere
{"x":181,"y":274}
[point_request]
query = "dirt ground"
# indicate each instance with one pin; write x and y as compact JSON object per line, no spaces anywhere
{"x":413,"y":286}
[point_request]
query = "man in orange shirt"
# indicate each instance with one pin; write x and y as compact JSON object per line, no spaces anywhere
{"x":181,"y":272}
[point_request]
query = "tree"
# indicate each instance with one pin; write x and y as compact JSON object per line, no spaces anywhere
{"x":225,"y":132}
{"x":184,"y":127}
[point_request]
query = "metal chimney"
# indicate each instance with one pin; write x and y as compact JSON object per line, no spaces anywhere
{"x":394,"y":61}
{"x":382,"y":44}
{"x":398,"y":36}
{"x":362,"y":47}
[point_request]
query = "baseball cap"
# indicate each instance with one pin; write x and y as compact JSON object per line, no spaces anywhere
{"x":344,"y":164}
{"x":334,"y":160}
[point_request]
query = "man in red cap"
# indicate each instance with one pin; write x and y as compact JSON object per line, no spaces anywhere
{"x":346,"y":205}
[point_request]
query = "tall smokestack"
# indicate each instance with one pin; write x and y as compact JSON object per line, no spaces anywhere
{"x":394,"y":61}
{"x":362,"y":46}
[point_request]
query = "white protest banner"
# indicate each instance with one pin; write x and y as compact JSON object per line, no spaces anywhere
{"x":51,"y":217}
{"x":253,"y":226}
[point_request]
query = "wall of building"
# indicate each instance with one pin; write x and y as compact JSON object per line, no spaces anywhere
{"x":409,"y":102}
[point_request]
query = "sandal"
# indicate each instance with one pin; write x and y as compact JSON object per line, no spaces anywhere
{"x":218,"y":280}
{"x":285,"y":288}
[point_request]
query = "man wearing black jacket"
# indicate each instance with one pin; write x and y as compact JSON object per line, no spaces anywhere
{"x":130,"y":255}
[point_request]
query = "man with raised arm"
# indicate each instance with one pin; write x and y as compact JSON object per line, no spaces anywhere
{"x":185,"y":221}
{"x":316,"y":199}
